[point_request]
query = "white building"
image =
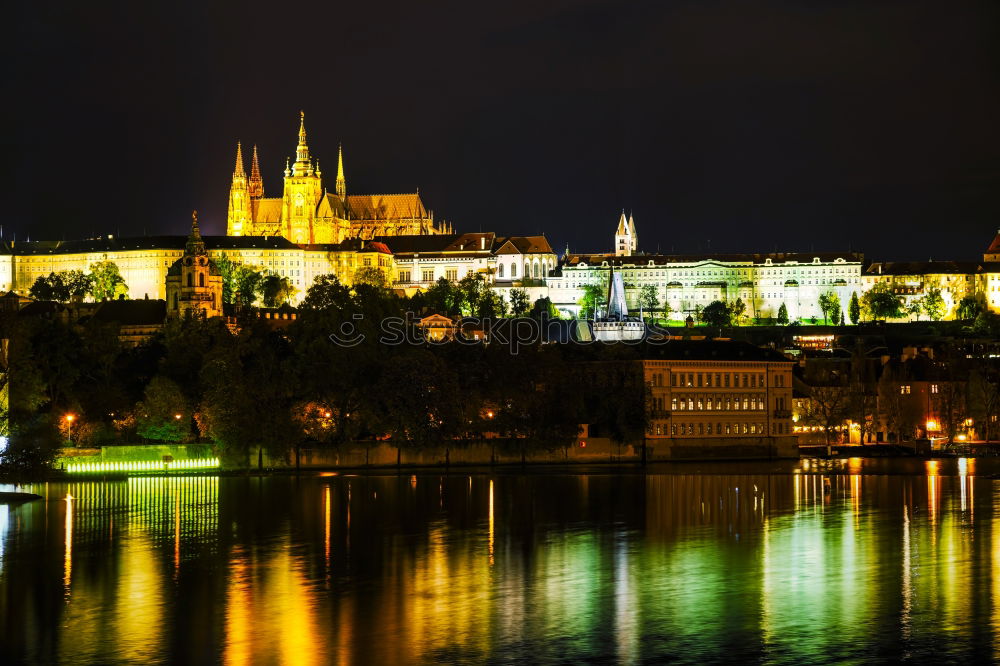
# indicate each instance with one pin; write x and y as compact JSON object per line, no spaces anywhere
{"x":687,"y":283}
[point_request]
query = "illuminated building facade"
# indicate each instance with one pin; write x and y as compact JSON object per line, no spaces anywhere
{"x":145,"y":261}
{"x":708,"y":397}
{"x":507,"y":261}
{"x":912,"y":280}
{"x":194,"y":282}
{"x":306,"y":213}
{"x":687,"y":283}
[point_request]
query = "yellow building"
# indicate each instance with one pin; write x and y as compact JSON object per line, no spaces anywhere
{"x":194,"y":282}
{"x":912,"y":280}
{"x":306,"y":213}
{"x":144,"y":262}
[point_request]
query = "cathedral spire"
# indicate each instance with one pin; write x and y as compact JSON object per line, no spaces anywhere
{"x":341,"y":182}
{"x":238,"y":172}
{"x":256,"y":182}
{"x":302,"y":161}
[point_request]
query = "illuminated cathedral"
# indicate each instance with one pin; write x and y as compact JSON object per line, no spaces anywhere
{"x":306,"y":213}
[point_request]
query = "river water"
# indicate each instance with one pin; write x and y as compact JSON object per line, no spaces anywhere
{"x":788,"y":562}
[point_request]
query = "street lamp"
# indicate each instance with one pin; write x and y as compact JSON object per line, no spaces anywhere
{"x":69,"y":427}
{"x":177,"y":416}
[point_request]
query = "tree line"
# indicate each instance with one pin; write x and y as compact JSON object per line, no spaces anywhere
{"x":294,"y":387}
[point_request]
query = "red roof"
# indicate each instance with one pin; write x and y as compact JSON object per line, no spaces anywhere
{"x":994,"y":247}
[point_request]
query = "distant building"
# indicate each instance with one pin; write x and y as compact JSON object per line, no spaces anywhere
{"x":710,"y":398}
{"x":687,"y":283}
{"x":912,"y":280}
{"x":626,"y":238}
{"x":194,"y":282}
{"x":506,"y":260}
{"x":307,"y":213}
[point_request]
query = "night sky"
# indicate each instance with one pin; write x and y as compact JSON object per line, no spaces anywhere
{"x":746,"y":126}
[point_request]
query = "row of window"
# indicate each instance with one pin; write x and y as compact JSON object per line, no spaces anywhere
{"x":697,"y":402}
{"x":712,"y":429}
{"x":717,"y":379}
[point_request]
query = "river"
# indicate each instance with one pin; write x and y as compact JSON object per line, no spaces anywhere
{"x":785,"y":562}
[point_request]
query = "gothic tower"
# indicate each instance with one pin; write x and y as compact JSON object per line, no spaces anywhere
{"x":303,"y":189}
{"x":341,"y":182}
{"x":238,"y":218}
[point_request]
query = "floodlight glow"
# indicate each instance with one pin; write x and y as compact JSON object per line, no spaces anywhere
{"x":143,"y":466}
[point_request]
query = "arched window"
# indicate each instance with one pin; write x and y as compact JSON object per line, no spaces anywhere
{"x":513,"y":270}
{"x":190,"y":279}
{"x":201,"y":279}
{"x":500,"y":270}
{"x":299,"y":201}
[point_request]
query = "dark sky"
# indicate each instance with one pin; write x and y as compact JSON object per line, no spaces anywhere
{"x":749,"y":126}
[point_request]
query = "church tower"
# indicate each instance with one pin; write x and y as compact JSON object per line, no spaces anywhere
{"x":341,"y":181}
{"x":626,"y":239}
{"x":194,"y":282}
{"x":238,"y":218}
{"x":303,"y":189}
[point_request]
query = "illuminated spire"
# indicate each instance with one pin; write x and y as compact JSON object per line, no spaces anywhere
{"x":302,"y":162}
{"x":195,"y":245}
{"x":256,"y":189}
{"x":341,"y":183}
{"x":238,"y":171}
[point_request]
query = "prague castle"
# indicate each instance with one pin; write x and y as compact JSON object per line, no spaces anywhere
{"x":306,"y":213}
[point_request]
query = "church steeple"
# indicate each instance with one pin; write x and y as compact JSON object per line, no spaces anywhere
{"x":303,"y":164}
{"x":256,"y":185}
{"x":238,"y":172}
{"x":341,"y":182}
{"x":238,"y":214}
{"x":195,"y":245}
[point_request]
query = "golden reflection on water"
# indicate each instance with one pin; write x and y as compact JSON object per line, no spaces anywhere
{"x":523,"y":567}
{"x":68,"y":545}
{"x":491,"y":523}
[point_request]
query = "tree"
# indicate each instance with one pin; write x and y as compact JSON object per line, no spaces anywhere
{"x":519,"y":302}
{"x":248,"y":282}
{"x":737,"y":312}
{"x":880,"y":302}
{"x":228,"y":269}
{"x":932,"y":304}
{"x":372,"y":276}
{"x":276,"y":290}
{"x":443,"y":298}
{"x":716,"y":313}
{"x":971,"y":306}
{"x":594,"y":296}
{"x":828,"y":407}
{"x":543,"y":309}
{"x":163,"y":414}
{"x":783,"y":315}
{"x":326,"y":293}
{"x":648,"y":300}
{"x":829,"y":303}
{"x":854,"y":309}
{"x":51,"y":288}
{"x":108,"y":283}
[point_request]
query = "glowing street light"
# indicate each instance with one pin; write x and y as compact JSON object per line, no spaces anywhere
{"x":177,"y":416}
{"x":69,"y":427}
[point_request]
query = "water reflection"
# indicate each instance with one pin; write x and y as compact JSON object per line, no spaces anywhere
{"x":716,"y":562}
